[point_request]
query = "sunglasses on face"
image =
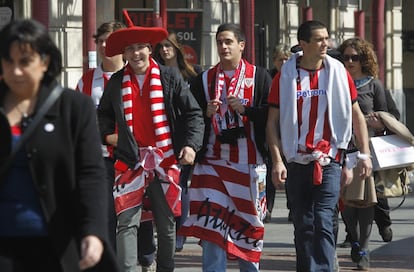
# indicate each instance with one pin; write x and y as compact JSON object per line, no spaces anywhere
{"x":354,"y":58}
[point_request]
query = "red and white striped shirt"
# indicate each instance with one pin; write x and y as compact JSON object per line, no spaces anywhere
{"x":245,"y":151}
{"x":312,"y":107}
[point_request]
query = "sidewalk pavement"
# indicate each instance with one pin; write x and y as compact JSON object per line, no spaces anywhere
{"x":279,"y":252}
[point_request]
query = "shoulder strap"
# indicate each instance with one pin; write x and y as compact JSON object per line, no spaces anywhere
{"x":54,"y":95}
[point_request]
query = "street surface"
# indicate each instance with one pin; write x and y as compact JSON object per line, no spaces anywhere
{"x":279,"y":251}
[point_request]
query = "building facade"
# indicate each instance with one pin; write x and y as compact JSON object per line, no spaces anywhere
{"x":275,"y":22}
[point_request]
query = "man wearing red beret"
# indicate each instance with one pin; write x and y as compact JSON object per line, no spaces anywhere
{"x":150,"y":117}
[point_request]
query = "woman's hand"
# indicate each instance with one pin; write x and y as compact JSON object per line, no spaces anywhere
{"x":91,"y":251}
{"x":374,"y":121}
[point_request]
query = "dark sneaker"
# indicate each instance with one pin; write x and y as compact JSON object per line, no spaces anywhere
{"x":363,"y":263}
{"x":290,"y":216}
{"x":268,"y":217}
{"x":355,"y":257}
{"x":386,"y":234}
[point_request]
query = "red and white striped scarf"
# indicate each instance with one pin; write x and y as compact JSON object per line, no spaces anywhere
{"x":242,"y":85}
{"x":159,"y":117}
{"x":236,"y":83}
{"x":160,"y":160}
{"x":225,"y":208}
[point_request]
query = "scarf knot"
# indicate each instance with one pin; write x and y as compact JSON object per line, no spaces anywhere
{"x":321,"y":158}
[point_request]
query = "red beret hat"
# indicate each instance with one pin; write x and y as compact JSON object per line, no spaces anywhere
{"x":119,"y":39}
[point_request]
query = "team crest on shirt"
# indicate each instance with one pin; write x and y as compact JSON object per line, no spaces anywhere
{"x":248,"y":82}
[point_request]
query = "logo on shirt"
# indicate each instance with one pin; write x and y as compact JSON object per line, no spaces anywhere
{"x":248,"y":82}
{"x":309,"y":93}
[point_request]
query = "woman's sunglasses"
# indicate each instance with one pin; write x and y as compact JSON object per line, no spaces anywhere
{"x":354,"y":58}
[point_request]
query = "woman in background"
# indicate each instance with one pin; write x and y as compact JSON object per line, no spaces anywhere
{"x":53,"y":196}
{"x":280,"y":55}
{"x":361,"y":62}
{"x":169,"y":52}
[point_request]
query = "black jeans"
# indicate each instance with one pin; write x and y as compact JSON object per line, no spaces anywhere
{"x":112,"y":220}
{"x":382,"y":218}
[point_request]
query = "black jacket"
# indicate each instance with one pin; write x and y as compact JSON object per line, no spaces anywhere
{"x":257,"y":113}
{"x":67,"y":168}
{"x":183,"y":113}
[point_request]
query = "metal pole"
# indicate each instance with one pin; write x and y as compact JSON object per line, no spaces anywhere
{"x":40,"y":11}
{"x":307,"y":14}
{"x":89,"y":27}
{"x":156,"y":14}
{"x":377,"y":31}
{"x":247,"y":25}
{"x":164,"y":14}
{"x":359,"y":17}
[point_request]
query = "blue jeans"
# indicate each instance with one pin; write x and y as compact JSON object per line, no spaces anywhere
{"x":215,"y":259}
{"x":313,"y":208}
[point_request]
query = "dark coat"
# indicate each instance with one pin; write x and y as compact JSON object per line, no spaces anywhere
{"x":183,"y":113}
{"x":257,"y":113}
{"x":69,"y":175}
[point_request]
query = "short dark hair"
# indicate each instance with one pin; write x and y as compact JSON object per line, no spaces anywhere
{"x":108,"y":27}
{"x":32,"y":33}
{"x":238,"y":33}
{"x":306,"y":28}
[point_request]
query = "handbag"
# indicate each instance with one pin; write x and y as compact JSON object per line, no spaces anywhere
{"x":359,"y":193}
{"x":51,"y":99}
{"x":391,"y":182}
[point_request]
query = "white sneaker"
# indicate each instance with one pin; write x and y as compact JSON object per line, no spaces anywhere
{"x":336,"y":263}
{"x":150,"y":268}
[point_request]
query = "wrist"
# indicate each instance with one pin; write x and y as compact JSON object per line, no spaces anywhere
{"x":363,"y":156}
{"x":277,"y":162}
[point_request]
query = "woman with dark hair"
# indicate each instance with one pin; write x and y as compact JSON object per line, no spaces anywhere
{"x":361,"y":62}
{"x":169,"y":52}
{"x":52,"y":195}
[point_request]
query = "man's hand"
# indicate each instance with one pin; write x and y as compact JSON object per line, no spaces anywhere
{"x":365,"y":168}
{"x":279,"y":174}
{"x":112,"y":139}
{"x":212,"y":107}
{"x":346,"y":176}
{"x":186,"y":156}
{"x":235,"y":104}
{"x":91,"y":252}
